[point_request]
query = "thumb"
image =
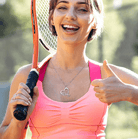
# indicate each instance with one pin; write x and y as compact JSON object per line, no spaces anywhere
{"x":96,"y":82}
{"x":36,"y":94}
{"x":107,"y":69}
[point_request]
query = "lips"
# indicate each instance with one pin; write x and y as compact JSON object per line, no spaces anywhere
{"x":70,"y":27}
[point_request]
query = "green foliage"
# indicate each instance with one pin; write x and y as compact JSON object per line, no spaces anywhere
{"x":8,"y":21}
{"x":122,"y":122}
{"x":119,"y":35}
{"x":135,"y":64}
{"x":21,"y":9}
{"x":15,"y":49}
{"x":16,"y":42}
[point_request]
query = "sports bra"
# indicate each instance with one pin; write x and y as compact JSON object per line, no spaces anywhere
{"x":85,"y":118}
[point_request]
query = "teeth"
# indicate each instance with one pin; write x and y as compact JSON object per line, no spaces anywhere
{"x":68,"y":26}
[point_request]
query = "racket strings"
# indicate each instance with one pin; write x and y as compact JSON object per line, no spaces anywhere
{"x":45,"y":35}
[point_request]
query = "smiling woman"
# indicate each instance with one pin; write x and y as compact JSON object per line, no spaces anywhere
{"x":95,"y":6}
{"x":74,"y":91}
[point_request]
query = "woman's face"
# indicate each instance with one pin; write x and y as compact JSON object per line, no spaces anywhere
{"x":73,"y":20}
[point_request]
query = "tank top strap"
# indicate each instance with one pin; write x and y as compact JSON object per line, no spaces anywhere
{"x":42,"y":71}
{"x":95,"y":71}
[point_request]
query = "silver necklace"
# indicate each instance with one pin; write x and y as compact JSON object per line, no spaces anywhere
{"x":65,"y":91}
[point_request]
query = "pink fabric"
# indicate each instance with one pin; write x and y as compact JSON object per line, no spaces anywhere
{"x":84,"y":118}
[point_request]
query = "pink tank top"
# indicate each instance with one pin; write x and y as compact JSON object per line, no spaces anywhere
{"x":84,"y":118}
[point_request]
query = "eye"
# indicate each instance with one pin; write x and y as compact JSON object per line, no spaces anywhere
{"x":62,"y":8}
{"x":83,"y":10}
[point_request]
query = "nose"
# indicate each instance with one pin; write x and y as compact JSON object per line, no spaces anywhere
{"x":71,"y":15}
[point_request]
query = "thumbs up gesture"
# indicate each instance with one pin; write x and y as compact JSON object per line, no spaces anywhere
{"x":110,"y":89}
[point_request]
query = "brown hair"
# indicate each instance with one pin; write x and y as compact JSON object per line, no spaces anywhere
{"x":97,"y":7}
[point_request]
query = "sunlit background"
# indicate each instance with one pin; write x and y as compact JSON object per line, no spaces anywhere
{"x":118,"y":44}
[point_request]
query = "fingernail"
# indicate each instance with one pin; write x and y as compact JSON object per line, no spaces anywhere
{"x":106,"y":61}
{"x":27,"y":103}
{"x":28,"y":90}
{"x":30,"y":99}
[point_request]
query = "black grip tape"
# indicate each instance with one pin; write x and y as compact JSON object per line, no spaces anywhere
{"x":21,"y":111}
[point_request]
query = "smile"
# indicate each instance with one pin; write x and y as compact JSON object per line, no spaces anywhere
{"x":70,"y":28}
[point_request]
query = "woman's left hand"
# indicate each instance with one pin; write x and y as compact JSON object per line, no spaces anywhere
{"x":110,"y":89}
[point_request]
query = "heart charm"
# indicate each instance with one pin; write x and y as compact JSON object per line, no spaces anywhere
{"x":65,"y":92}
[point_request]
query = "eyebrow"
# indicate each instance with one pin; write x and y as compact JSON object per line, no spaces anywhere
{"x":62,"y":2}
{"x":82,"y":3}
{"x":68,"y":2}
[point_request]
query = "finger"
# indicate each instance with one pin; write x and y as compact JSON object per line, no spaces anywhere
{"x":24,"y":86}
{"x":107,"y":69}
{"x":97,"y":82}
{"x":103,"y":99}
{"x":35,"y":97}
{"x":24,"y":89}
{"x":98,"y":95}
{"x":23,"y":97}
{"x":22,"y":93}
{"x":96,"y":89}
{"x":23,"y":102}
{"x":25,"y":93}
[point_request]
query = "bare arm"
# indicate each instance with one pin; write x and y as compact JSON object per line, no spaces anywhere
{"x":11,"y":128}
{"x":117,"y":84}
{"x":130,"y":80}
{"x":14,"y":130}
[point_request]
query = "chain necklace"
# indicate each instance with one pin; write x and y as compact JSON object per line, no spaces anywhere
{"x":65,"y":91}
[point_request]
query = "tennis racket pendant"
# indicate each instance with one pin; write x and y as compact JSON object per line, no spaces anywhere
{"x":21,"y":111}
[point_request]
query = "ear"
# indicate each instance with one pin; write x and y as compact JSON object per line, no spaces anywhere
{"x":52,"y":22}
{"x":51,"y":18}
{"x":94,"y":26}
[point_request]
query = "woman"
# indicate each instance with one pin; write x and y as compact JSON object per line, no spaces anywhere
{"x":74,"y":92}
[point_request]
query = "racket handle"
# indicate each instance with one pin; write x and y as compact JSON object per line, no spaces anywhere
{"x":20,"y":112}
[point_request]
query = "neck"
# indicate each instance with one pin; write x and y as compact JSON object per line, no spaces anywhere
{"x":69,"y":57}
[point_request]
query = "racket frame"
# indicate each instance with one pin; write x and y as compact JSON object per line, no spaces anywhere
{"x":35,"y":35}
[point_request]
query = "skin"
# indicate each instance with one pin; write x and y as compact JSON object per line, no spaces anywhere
{"x":117,"y":84}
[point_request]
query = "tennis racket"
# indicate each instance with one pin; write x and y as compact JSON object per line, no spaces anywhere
{"x":42,"y":34}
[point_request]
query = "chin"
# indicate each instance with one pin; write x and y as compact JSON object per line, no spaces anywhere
{"x":73,"y":42}
{"x":70,"y":40}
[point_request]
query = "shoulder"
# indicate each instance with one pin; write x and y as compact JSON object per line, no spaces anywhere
{"x":23,"y":72}
{"x":97,"y":64}
{"x":124,"y":74}
{"x":94,"y":62}
{"x":20,"y":77}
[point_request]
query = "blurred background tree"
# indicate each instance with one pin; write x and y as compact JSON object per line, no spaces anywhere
{"x":118,"y":44}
